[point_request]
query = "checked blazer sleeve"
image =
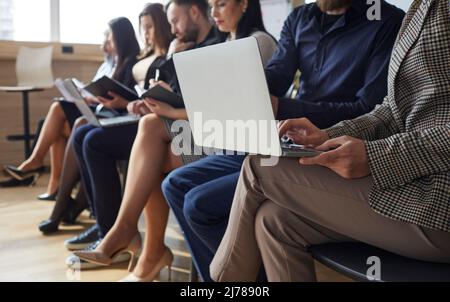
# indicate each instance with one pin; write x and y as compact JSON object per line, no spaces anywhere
{"x":411,"y":155}
{"x":374,"y":125}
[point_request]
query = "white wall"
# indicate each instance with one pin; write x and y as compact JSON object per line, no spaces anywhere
{"x":403,"y":4}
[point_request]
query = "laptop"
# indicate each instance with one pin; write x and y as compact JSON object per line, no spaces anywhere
{"x":91,"y":117}
{"x":225,"y":84}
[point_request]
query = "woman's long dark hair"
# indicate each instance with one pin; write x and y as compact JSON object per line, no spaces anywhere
{"x":127,"y":45}
{"x":163,"y":33}
{"x":251,"y":20}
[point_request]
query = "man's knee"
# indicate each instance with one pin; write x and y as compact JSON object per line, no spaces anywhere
{"x":94,"y":142}
{"x":79,"y":136}
{"x":196,"y":208}
{"x":173,"y":188}
{"x":270,"y":219}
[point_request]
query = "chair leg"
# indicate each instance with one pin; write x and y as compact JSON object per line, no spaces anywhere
{"x":26,"y":123}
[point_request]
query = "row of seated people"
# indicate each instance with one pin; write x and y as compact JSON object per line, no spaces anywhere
{"x":378,"y":89}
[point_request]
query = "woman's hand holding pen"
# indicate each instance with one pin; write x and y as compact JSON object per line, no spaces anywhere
{"x":163,"y":109}
{"x":155,"y":82}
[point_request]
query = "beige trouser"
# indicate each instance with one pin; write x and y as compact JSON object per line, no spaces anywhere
{"x":278,"y":212}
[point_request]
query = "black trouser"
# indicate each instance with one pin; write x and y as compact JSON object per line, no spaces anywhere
{"x":98,"y":150}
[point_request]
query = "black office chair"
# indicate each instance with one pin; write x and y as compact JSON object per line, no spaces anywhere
{"x":350,"y":259}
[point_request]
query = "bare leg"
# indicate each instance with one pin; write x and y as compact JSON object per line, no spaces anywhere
{"x":55,"y":128}
{"x":148,"y":163}
{"x":56,"y":160}
{"x":156,"y":216}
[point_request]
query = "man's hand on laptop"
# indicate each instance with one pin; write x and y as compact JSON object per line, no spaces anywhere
{"x":138,"y":107}
{"x":302,"y":132}
{"x":117,"y":101}
{"x":347,"y":156}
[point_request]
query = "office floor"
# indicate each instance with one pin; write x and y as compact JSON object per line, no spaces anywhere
{"x":27,"y":255}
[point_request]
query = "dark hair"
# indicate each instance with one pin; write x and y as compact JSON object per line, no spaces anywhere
{"x":251,"y":20}
{"x":127,"y":45}
{"x":163,"y":34}
{"x":202,"y":5}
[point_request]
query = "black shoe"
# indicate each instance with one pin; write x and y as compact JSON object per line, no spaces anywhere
{"x":68,"y":216}
{"x":48,"y":197}
{"x":48,"y":227}
{"x":73,"y":211}
{"x":83,"y":240}
{"x":12,"y":183}
{"x":21,"y":175}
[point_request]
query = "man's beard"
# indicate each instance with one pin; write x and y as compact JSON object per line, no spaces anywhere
{"x":191,"y":34}
{"x":327,"y":5}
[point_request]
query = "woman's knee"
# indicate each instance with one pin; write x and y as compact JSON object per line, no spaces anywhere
{"x":149,"y":122}
{"x":56,"y":111}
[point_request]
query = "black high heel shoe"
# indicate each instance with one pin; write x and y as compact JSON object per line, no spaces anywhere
{"x":27,"y":182}
{"x":49,"y":226}
{"x":72,"y":214}
{"x":69,"y":216}
{"x":21,"y":175}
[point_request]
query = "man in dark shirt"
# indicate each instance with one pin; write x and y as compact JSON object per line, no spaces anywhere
{"x":343,"y":58}
{"x":192,"y":29}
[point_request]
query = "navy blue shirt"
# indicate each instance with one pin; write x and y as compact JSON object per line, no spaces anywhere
{"x":343,"y":70}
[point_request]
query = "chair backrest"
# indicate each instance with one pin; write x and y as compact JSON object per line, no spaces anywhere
{"x":34,"y":67}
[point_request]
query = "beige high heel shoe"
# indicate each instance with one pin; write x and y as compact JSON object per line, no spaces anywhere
{"x":100,"y":258}
{"x":166,"y":260}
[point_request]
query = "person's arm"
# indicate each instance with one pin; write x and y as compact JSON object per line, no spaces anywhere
{"x":328,"y":113}
{"x":402,"y":158}
{"x":281,"y":69}
{"x":378,"y":124}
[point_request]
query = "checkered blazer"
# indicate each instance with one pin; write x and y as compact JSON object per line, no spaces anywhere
{"x":408,"y":136}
